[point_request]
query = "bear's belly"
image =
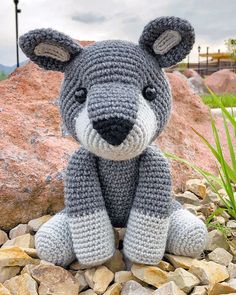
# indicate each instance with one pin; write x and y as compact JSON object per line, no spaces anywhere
{"x":118,"y":181}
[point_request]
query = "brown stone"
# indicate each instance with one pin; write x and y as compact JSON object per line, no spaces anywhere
{"x":3,"y":237}
{"x":81,"y":279}
{"x":150,"y":274}
{"x":169,"y":288}
{"x":209,"y":272}
{"x":7,"y":272}
{"x":19,"y":230}
{"x":4,"y":291}
{"x":24,"y":241}
{"x":190,"y":73}
{"x":36,"y":223}
{"x":33,"y":149}
{"x":114,"y":289}
{"x":14,"y":256}
{"x":116,"y":263}
{"x":221,"y":288}
{"x":101,"y":279}
{"x":166,"y":266}
{"x":179,"y":261}
{"x":55,"y":280}
{"x":22,"y":285}
{"x":223,"y":81}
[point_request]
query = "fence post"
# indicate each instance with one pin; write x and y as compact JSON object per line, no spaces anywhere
{"x":218,"y":61}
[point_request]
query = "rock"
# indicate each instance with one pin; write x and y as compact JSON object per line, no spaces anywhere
{"x":114,"y":289}
{"x":166,"y":266}
{"x":134,"y":288}
{"x":215,"y":240}
{"x":209,"y":272}
{"x":7,"y":272}
{"x":211,"y":197}
{"x":32,"y":252}
{"x":231,"y":224}
{"x":191,"y":208}
{"x":223,"y":81}
{"x":89,"y":274}
{"x":22,"y":285}
{"x":221,"y":256}
{"x":232,"y":283}
{"x":180,"y":261}
{"x":197,"y":85}
{"x":14,"y":256}
{"x":124,"y":276}
{"x":88,"y":292}
{"x":33,"y":149}
{"x":189,"y":73}
{"x":102,"y":279}
{"x":24,"y":241}
{"x":200,"y":290}
{"x":19,"y":230}
{"x":219,"y":219}
{"x":55,"y":280}
{"x":197,"y":187}
{"x":187,"y":198}
{"x":232,"y":270}
{"x":221,"y":288}
{"x":169,"y":288}
{"x":183,"y":279}
{"x":121,"y":232}
{"x":208,"y":209}
{"x":116,"y":263}
{"x":149,"y":274}
{"x":3,"y":237}
{"x":81,"y":279}
{"x":75,"y":265}
{"x":35,"y":224}
{"x":4,"y":291}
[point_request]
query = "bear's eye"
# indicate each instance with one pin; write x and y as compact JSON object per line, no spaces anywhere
{"x":81,"y":94}
{"x":149,"y":93}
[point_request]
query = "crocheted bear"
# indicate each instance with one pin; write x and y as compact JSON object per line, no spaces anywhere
{"x":115,"y":101}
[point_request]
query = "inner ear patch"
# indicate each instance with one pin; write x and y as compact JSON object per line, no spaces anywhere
{"x":166,"y":41}
{"x":53,"y":51}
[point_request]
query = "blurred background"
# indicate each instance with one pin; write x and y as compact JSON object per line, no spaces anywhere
{"x":213,"y":20}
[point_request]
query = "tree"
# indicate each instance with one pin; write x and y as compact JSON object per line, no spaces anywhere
{"x":231,"y":46}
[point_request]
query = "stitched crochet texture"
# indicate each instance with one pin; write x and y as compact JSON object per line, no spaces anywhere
{"x":115,"y":100}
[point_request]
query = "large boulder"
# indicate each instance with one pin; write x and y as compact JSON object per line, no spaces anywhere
{"x":223,"y":81}
{"x":34,"y":153}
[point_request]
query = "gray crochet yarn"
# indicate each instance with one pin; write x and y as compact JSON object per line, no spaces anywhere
{"x":115,"y":100}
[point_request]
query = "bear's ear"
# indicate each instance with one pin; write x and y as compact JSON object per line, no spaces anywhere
{"x":49,"y":49}
{"x":169,"y":39}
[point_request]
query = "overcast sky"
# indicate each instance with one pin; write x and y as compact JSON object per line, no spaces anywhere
{"x":214,"y":20}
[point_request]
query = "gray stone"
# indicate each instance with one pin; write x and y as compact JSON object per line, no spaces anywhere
{"x":232,"y":270}
{"x":3,"y":237}
{"x":19,"y":230}
{"x":215,"y":240}
{"x":169,"y":288}
{"x":183,"y":279}
{"x":187,"y":198}
{"x":221,"y":256}
{"x":134,"y":288}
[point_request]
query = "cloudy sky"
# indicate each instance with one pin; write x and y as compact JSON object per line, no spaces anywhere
{"x":213,"y":20}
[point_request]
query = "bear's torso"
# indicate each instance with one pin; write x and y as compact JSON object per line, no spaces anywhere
{"x":118,"y":181}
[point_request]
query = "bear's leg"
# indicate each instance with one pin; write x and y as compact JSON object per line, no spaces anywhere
{"x":53,"y":241}
{"x":187,"y":233}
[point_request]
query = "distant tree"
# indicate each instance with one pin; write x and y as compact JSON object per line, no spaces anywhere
{"x":2,"y":76}
{"x":231,"y":46}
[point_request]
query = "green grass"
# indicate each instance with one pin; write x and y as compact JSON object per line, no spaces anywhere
{"x":228,"y":100}
{"x":2,"y":76}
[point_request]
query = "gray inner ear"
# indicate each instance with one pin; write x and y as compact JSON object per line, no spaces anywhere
{"x":166,"y":41}
{"x":53,"y":51}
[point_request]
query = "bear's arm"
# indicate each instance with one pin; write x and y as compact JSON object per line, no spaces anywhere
{"x":148,"y":223}
{"x":90,"y":226}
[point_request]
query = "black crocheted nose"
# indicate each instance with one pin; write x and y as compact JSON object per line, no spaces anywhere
{"x":113,"y":130}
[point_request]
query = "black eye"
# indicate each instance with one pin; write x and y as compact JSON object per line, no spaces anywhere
{"x":81,"y":94}
{"x":149,"y":93}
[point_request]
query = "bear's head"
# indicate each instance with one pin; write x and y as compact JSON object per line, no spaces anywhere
{"x":115,"y":98}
